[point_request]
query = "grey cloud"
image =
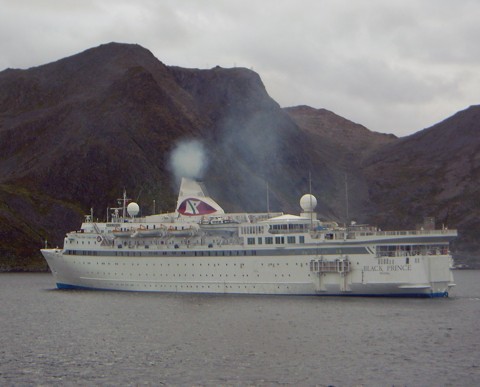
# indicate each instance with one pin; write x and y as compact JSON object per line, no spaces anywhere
{"x":393,"y":66}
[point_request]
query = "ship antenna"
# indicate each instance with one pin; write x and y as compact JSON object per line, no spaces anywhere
{"x":346,"y":198}
{"x":138,"y":196}
{"x":310,"y":183}
{"x":268,"y":200}
{"x":311,"y":205}
{"x":123,"y":203}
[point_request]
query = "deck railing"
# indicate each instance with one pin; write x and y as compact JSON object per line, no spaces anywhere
{"x":405,"y":233}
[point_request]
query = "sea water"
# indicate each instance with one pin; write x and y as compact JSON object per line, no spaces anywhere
{"x":59,"y":337}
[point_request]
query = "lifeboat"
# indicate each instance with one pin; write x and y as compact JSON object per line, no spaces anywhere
{"x":180,"y":231}
{"x":119,"y":233}
{"x":218,"y":224}
{"x":146,"y":232}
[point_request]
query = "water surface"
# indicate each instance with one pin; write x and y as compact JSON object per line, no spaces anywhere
{"x":65,"y":337}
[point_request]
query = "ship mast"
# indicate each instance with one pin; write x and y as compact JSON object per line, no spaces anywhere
{"x":310,"y":192}
{"x":124,"y":207}
{"x":124,"y":201}
{"x":268,"y":200}
{"x":346,"y":199}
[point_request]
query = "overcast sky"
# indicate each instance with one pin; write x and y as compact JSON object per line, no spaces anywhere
{"x":395,"y":66}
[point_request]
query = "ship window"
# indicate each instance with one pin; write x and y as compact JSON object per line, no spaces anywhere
{"x":301,"y":239}
{"x":291,"y":239}
{"x":407,"y":260}
{"x":269,"y":240}
{"x":279,"y":240}
{"x":251,"y":241}
{"x":259,"y":241}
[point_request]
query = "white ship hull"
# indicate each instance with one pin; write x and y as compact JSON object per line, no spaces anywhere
{"x":265,"y":254}
{"x":252,"y":275}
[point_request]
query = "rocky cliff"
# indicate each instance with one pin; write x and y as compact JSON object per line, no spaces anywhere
{"x":76,"y":132}
{"x":434,"y":172}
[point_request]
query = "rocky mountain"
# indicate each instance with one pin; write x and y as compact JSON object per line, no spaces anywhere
{"x":338,"y":147}
{"x":434,"y":172}
{"x":76,"y":132}
{"x":397,"y":182}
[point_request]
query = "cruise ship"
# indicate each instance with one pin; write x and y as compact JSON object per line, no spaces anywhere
{"x":199,"y":248}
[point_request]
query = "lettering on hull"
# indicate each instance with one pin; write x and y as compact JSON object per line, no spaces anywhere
{"x":387,"y":268}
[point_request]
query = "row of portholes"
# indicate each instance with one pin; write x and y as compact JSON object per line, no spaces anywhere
{"x":185,"y":264}
{"x":175,"y":276}
{"x":176,"y":287}
{"x":165,"y":275}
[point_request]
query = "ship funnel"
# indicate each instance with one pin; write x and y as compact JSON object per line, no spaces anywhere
{"x":192,"y":200}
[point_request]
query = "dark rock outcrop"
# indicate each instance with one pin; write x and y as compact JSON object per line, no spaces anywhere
{"x":75,"y":132}
{"x":434,"y":172}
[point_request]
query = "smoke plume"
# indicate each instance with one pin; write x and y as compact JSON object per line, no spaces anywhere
{"x":188,"y":159}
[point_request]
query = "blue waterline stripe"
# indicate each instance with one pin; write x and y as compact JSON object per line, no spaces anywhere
{"x":63,"y":286}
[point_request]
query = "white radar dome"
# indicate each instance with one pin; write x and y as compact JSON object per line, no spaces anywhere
{"x":308,"y":203}
{"x":133,"y":209}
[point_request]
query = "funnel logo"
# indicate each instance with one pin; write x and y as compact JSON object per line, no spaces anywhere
{"x":192,"y":207}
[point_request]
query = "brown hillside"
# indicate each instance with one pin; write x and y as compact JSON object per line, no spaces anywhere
{"x":338,"y":147}
{"x":75,"y":132}
{"x":435,"y":172}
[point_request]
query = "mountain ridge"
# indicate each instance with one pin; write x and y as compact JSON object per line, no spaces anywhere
{"x":76,"y":131}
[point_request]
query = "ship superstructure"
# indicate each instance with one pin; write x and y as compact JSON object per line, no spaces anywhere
{"x":201,"y":249}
